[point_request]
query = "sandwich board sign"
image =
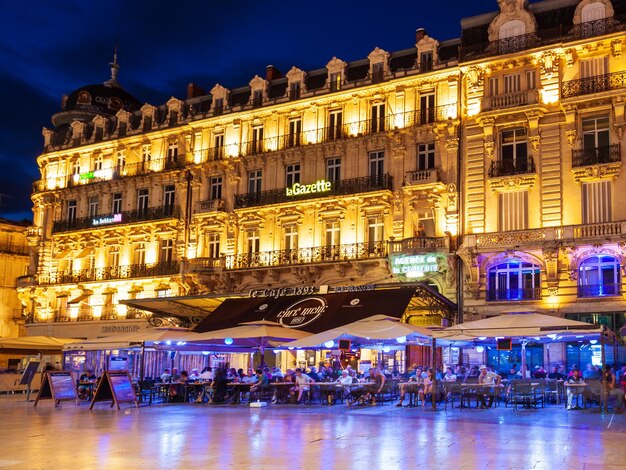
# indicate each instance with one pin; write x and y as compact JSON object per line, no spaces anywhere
{"x":59,"y":386}
{"x":28,"y":375}
{"x":115,"y":387}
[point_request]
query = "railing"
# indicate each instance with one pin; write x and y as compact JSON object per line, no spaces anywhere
{"x":509,"y":100}
{"x":210,"y":205}
{"x":125,"y":217}
{"x":430,"y":175}
{"x":599,"y":290}
{"x":342,"y":187}
{"x":561,"y":33}
{"x":14,"y":248}
{"x":597,"y":230}
{"x":109,"y":173}
{"x":596,"y":84}
{"x":533,"y":293}
{"x":419,"y":244}
{"x":111,"y":273}
{"x":507,"y":168}
{"x":595,"y":156}
{"x":25,"y":281}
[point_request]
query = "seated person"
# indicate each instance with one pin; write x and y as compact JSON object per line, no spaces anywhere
{"x":370,"y":389}
{"x":302,"y":384}
{"x":426,"y":392}
{"x":177,"y":389}
{"x":591,"y":372}
{"x":166,"y":376}
{"x":555,"y":374}
{"x":206,"y":375}
{"x":573,"y":392}
{"x":487,"y":378}
{"x":84,"y":389}
{"x":195,"y":375}
{"x":413,"y":386}
{"x":219,"y":387}
{"x":343,"y":382}
{"x":449,"y":376}
{"x":262,"y":382}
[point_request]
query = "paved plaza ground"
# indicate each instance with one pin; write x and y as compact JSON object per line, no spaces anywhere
{"x":190,"y":436}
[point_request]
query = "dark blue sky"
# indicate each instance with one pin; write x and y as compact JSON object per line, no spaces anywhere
{"x":48,"y":49}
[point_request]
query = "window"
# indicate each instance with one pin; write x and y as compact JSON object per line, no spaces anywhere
{"x":291,"y":237}
{"x":163,"y":293}
{"x":493,"y":86}
{"x":333,"y":169}
{"x":120,"y":161}
{"x":166,"y":253}
{"x":512,"y":83}
{"x":218,"y":146}
{"x":172,"y":152}
{"x":596,"y":202}
{"x":116,"y":203}
{"x":213,"y":245}
{"x":335,"y":124}
{"x":375,"y":234}
{"x":511,"y":29}
{"x":427,"y":108}
{"x":426,"y":156}
{"x":335,"y":81}
{"x":215,"y":188}
{"x":97,"y":163}
{"x":378,"y":72}
{"x":76,"y":168}
{"x":425,"y":223}
{"x":218,"y":106}
{"x":257,"y":98}
{"x":71,"y":210}
{"x":377,"y":164}
{"x":139,"y":253}
{"x":593,"y":12}
{"x":596,"y":134}
{"x":254,"y":181}
{"x":93,"y":206}
{"x":294,"y":90}
{"x":426,"y":61}
{"x":514,"y":280}
{"x":256,"y":145}
{"x":292,"y":174}
{"x":142,"y":199}
{"x":512,"y":211}
{"x":114,"y":257}
{"x":513,"y":152}
{"x":531,"y":80}
{"x":332,"y":233}
{"x":168,"y":197}
{"x":295,"y":131}
{"x":594,"y":67}
{"x":146,"y":153}
{"x":91,"y":260}
{"x":253,"y":241}
{"x":378,"y":117}
{"x":599,"y":276}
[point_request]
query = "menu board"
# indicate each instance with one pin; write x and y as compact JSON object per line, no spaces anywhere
{"x":118,"y":363}
{"x":116,"y":387}
{"x":59,"y":386}
{"x":29,"y":373}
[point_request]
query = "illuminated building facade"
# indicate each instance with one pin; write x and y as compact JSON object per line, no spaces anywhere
{"x":347,"y":176}
{"x":14,"y":262}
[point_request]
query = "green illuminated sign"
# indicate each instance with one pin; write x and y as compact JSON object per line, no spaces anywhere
{"x":87,"y":176}
{"x":320,"y":186}
{"x":414,"y":265}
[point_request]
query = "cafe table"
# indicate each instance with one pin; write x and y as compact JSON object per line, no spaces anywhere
{"x":237,"y":389}
{"x":577,"y":389}
{"x":281,"y":391}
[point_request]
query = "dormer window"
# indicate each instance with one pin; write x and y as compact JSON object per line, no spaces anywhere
{"x":218,"y":107}
{"x":426,"y":61}
{"x":335,"y":81}
{"x":593,"y":12}
{"x":257,"y":98}
{"x":294,"y":90}
{"x":378,"y":72}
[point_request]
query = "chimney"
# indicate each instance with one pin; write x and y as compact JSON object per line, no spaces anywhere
{"x":194,"y":90}
{"x":419,"y":34}
{"x":272,"y":73}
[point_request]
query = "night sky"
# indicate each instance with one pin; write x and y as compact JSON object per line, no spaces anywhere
{"x":48,"y":49}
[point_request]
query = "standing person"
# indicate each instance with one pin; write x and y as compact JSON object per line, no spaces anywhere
{"x":487,"y":378}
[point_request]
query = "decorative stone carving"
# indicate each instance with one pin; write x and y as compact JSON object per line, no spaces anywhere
{"x":427,"y":44}
{"x":535,"y":142}
{"x":296,"y":75}
{"x":570,"y":57}
{"x":489,"y":147}
{"x":570,"y":134}
{"x":549,"y":63}
{"x":609,"y":12}
{"x":596,"y":172}
{"x":475,"y":78}
{"x":512,"y":10}
{"x":378,"y":56}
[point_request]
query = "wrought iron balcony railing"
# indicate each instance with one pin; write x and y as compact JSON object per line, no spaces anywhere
{"x":599,"y":290}
{"x":342,"y":187}
{"x":509,"y":100}
{"x":595,"y":156}
{"x":111,"y":273}
{"x":125,"y":217}
{"x":596,"y":84}
{"x":508,"y":168}
{"x":533,"y":293}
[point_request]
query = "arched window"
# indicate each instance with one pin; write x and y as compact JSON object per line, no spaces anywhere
{"x":593,"y":12}
{"x":599,"y":276}
{"x":514,"y":280}
{"x":511,"y":29}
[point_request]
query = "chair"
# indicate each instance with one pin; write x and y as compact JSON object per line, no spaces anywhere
{"x":145,"y":389}
{"x":526,"y":394}
{"x":453,"y":391}
{"x":551,"y":391}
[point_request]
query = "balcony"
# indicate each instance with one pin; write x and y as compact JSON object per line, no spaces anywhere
{"x":533,"y":293}
{"x":596,"y":156}
{"x":122,"y":218}
{"x":111,"y":273}
{"x":210,"y":205}
{"x":509,"y":168}
{"x":596,"y":84}
{"x":298,"y":256}
{"x":509,"y":100}
{"x":600,"y":290}
{"x":109,"y":173}
{"x":342,"y":187}
{"x":420,"y":245}
{"x":417,"y":177}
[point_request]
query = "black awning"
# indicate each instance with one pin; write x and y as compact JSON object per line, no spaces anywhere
{"x":312,"y":313}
